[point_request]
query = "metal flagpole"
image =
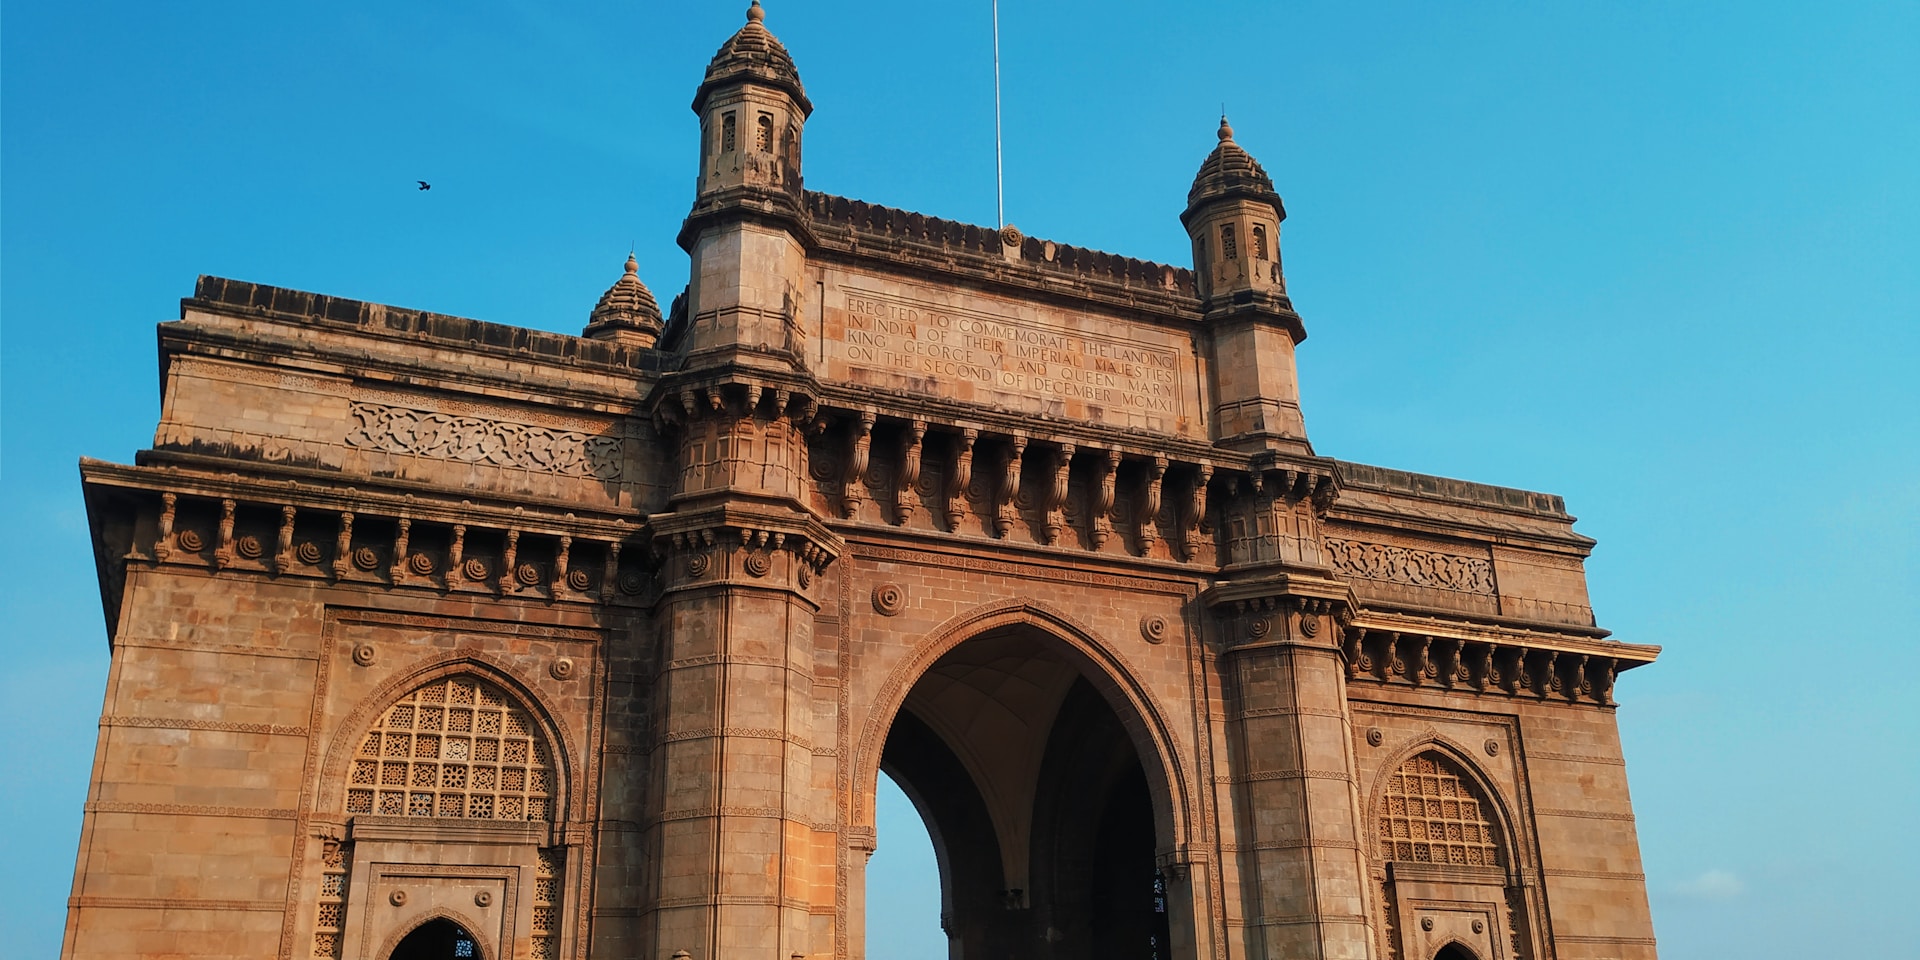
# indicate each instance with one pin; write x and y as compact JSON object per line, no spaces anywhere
{"x":999,"y":171}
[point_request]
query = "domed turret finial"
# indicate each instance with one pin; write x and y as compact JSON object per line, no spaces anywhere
{"x":755,"y":14}
{"x":627,"y":312}
{"x":1226,"y":129}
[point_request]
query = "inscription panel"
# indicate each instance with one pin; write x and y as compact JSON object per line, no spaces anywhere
{"x":1016,"y":356}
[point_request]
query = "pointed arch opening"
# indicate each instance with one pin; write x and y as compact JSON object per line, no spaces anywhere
{"x":1045,"y":793}
{"x":437,"y":939}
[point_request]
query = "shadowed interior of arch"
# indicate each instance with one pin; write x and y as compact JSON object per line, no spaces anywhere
{"x":1037,"y":804}
{"x":1454,"y":951}
{"x":436,"y":940}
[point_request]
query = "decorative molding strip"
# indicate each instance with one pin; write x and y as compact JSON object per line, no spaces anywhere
{"x":1595,"y":875}
{"x":245,"y":650}
{"x":511,"y":628}
{"x":1575,"y":758}
{"x":194,"y":810}
{"x":1415,"y":568}
{"x":175,"y":903}
{"x":1285,"y":775}
{"x":1583,"y":814}
{"x":756,"y":733}
{"x":170,"y":723}
{"x":477,"y":440}
{"x":1287,"y":712}
{"x":1291,"y":845}
{"x":763,"y":813}
{"x":1038,"y":570}
{"x":1572,"y":938}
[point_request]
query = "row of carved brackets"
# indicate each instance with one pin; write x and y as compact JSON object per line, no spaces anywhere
{"x":732,"y":396}
{"x":1514,"y":667}
{"x":757,"y":542}
{"x":394,"y":562}
{"x":736,"y":395}
{"x":1192,"y":479}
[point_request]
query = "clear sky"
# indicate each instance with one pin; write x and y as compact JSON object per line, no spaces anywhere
{"x":1661,"y":259}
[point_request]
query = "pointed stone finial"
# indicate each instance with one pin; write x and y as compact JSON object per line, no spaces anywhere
{"x":633,"y":266}
{"x":1226,"y":129}
{"x":755,"y":14}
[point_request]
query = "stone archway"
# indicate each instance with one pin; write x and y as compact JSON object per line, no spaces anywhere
{"x":1038,"y":802}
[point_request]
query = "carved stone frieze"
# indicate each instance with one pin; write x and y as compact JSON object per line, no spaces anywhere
{"x":1416,"y":568}
{"x":476,"y":440}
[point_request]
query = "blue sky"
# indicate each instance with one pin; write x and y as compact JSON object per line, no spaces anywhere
{"x":1660,"y":259}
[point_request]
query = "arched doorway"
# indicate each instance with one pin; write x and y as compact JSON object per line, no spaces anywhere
{"x":436,"y":940}
{"x":1455,"y":951}
{"x":1037,"y":801}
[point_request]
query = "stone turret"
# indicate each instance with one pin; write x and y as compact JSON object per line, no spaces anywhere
{"x":1233,"y":216}
{"x":627,"y":312}
{"x":751,"y":108}
{"x":747,"y":233}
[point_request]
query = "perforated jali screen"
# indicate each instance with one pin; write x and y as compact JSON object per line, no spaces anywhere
{"x":457,"y":747}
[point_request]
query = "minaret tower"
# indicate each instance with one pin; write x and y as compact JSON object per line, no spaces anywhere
{"x":1233,"y":216}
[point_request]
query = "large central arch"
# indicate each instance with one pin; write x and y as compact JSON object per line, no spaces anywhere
{"x":1048,"y":784}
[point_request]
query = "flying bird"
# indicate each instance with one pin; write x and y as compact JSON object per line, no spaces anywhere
{"x":424,"y":185}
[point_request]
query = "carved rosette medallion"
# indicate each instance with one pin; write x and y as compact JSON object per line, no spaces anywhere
{"x":248,"y":547}
{"x":364,"y":654}
{"x":561,"y":668}
{"x":1153,"y":627}
{"x":366,"y":558}
{"x":889,"y":599}
{"x":698,"y":564}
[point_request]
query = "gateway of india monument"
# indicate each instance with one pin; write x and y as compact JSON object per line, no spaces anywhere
{"x":435,"y":637}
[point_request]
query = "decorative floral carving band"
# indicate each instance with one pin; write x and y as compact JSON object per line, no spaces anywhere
{"x":1419,"y":568}
{"x":475,"y":440}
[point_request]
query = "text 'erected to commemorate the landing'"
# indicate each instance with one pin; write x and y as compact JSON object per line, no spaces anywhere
{"x":1010,"y":358}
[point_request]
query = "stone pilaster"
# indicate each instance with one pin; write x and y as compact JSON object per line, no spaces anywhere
{"x":1300,"y":865}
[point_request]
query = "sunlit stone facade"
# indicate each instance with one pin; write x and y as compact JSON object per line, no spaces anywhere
{"x":431,"y":634}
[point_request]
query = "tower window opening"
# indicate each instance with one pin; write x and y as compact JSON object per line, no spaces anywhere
{"x":726,"y":132}
{"x":1259,"y":242}
{"x":1229,"y":247}
{"x":763,"y":136}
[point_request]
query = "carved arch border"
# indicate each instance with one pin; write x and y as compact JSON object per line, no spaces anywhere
{"x":442,"y":913}
{"x":1110,"y":673}
{"x":439,"y":666}
{"x":1517,"y":845}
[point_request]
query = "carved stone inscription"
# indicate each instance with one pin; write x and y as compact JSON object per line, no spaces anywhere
{"x":476,"y":440}
{"x":1015,"y":363}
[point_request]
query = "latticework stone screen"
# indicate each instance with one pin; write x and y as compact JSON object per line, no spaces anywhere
{"x":1430,"y":815}
{"x":453,"y":748}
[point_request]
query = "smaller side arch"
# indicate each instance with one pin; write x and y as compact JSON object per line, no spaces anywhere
{"x":344,"y":740}
{"x":1455,"y":950}
{"x":455,"y":917}
{"x":1500,"y":812}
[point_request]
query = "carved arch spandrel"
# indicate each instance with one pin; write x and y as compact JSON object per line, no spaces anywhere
{"x":343,"y":740}
{"x":1145,"y":721}
{"x":465,"y":922}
